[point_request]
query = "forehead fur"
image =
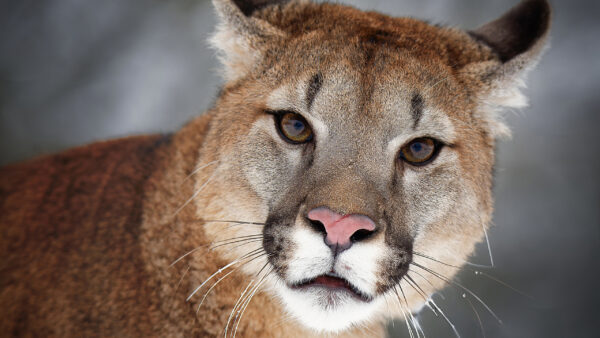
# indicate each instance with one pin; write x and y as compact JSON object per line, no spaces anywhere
{"x":370,"y":64}
{"x":371,"y":31}
{"x":277,"y":42}
{"x":381,"y":55}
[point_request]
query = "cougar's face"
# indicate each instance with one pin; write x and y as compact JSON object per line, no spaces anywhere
{"x":358,"y":172}
{"x":363,"y":147}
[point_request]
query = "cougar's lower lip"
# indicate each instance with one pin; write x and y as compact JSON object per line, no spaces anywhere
{"x":333,"y":283}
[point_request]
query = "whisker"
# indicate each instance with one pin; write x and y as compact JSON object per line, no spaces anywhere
{"x":237,"y":238}
{"x":415,"y":286}
{"x":418,"y":327}
{"x":504,"y":284}
{"x":258,"y":285}
{"x":171,"y":225}
{"x":240,"y":223}
{"x":253,"y":236}
{"x":476,"y":314}
{"x":212,"y":287}
{"x":482,"y":266}
{"x":427,"y":280}
{"x":444,"y":278}
{"x":261,"y":269}
{"x":410,"y":281}
{"x":448,"y":264}
{"x":198,"y":169}
{"x":235,"y":306}
{"x":487,"y":241}
{"x":200,"y":220}
{"x":240,"y":245}
{"x":195,"y":193}
{"x":410,"y":333}
{"x":181,"y":279}
{"x":187,"y":254}
{"x":430,"y":303}
{"x":387,"y":305}
{"x":202,"y":246}
{"x":243,"y":241}
{"x":434,"y":259}
{"x":211,"y":276}
{"x":220,"y":279}
{"x":238,"y":317}
{"x":412,"y":318}
{"x":476,"y":273}
{"x":221,"y":270}
{"x":451,"y":265}
{"x":241,"y":301}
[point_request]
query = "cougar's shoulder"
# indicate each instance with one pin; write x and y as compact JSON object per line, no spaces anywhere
{"x":70,"y":226}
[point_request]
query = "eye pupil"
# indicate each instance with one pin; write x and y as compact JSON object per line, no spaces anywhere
{"x":298,"y":125}
{"x":293,"y":127}
{"x":416,"y":147}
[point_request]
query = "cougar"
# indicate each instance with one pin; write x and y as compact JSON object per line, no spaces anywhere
{"x":342,"y":176}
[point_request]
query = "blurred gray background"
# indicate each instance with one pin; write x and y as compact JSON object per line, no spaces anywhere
{"x":76,"y":71}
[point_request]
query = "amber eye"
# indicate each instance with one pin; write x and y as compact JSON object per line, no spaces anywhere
{"x":420,"y":151}
{"x":293,"y":127}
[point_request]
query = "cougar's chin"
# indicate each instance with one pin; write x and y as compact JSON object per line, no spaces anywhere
{"x":328,"y":303}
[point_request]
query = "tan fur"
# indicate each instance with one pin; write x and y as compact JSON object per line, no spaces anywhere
{"x":89,"y":236}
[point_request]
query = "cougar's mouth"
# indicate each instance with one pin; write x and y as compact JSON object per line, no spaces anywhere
{"x":334,"y":283}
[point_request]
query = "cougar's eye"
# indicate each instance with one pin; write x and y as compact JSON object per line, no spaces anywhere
{"x":293,"y":127}
{"x":420,"y":151}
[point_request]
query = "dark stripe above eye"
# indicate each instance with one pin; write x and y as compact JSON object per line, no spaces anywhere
{"x":313,"y":88}
{"x":416,"y":108}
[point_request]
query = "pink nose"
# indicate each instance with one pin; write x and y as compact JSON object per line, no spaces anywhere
{"x":340,"y":228}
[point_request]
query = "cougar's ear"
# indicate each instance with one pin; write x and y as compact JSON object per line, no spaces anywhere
{"x":519,"y":32}
{"x":241,"y":38}
{"x":518,"y":38}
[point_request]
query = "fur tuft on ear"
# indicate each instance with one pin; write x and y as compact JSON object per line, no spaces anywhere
{"x":240,"y":38}
{"x":518,"y":38}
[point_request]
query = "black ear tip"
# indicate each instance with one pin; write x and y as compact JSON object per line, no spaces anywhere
{"x":532,"y":17}
{"x":516,"y":31}
{"x":534,"y":13}
{"x":541,"y":6}
{"x":250,"y":6}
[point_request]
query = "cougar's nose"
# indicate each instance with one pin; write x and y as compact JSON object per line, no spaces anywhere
{"x":340,"y":230}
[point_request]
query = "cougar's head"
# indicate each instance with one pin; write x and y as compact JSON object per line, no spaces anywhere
{"x":364,"y":143}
